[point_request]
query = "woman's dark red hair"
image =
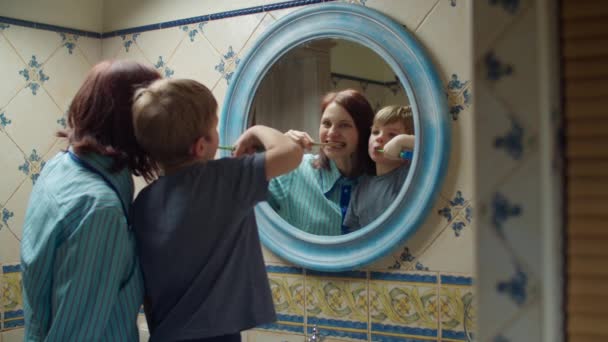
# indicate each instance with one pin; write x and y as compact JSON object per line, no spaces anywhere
{"x":100,"y":117}
{"x":362,"y":113}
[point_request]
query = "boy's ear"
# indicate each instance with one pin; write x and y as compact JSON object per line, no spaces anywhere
{"x":198,"y":148}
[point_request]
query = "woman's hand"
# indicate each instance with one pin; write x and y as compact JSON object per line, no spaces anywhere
{"x":301,"y":138}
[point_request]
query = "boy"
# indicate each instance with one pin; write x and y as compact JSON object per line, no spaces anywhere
{"x":198,"y":244}
{"x":392,"y":132}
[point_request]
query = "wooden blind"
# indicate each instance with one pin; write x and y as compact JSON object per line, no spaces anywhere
{"x":584,"y":49}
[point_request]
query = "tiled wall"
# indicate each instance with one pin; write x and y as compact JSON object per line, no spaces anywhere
{"x":422,"y":291}
{"x":518,"y":163}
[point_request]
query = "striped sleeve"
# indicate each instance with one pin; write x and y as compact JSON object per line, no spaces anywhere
{"x":279,"y":188}
{"x":94,"y":263}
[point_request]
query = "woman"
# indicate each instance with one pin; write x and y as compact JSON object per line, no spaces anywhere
{"x":315,"y":196}
{"x":81,"y":278}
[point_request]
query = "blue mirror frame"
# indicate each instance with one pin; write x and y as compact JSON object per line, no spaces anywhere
{"x":404,"y":54}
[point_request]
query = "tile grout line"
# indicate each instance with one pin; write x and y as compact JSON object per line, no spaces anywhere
{"x":426,"y":16}
{"x":257,"y":26}
{"x":513,"y":319}
{"x":84,"y":55}
{"x":515,"y":19}
{"x":181,"y":41}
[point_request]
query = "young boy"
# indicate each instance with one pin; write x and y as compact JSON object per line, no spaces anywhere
{"x":392,"y":133}
{"x":198,"y":244}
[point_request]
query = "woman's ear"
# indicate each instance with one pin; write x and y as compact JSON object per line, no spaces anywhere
{"x":198,"y":148}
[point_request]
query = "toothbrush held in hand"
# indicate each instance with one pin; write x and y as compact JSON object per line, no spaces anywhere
{"x":406,"y":155}
{"x":226,"y":148}
{"x":333,"y":144}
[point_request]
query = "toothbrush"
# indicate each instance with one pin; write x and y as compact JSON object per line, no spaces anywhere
{"x":336,"y":144}
{"x":407,"y":155}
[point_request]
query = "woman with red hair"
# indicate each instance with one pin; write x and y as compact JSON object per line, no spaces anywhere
{"x":81,"y":277}
{"x":315,"y":196}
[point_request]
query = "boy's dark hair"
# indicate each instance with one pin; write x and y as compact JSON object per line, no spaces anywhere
{"x":100,"y":117}
{"x":362,"y":114}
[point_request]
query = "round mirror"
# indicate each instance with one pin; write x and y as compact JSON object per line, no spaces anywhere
{"x":290,"y":96}
{"x":347,"y":46}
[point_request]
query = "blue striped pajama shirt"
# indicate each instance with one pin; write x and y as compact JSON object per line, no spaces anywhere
{"x":309,"y":198}
{"x":81,"y":278}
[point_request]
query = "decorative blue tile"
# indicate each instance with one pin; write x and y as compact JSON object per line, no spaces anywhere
{"x":456,"y":280}
{"x":283,"y":269}
{"x":495,"y":69}
{"x":13,"y":319}
{"x":282,"y":327}
{"x":291,"y":323}
{"x":15,"y":268}
{"x":4,"y":121}
{"x":193,"y":31}
{"x":5,"y":21}
{"x":459,"y":96}
{"x":412,"y":278}
{"x":6,"y":215}
{"x":347,"y":274}
{"x":406,"y":257}
{"x":128,"y":40}
{"x":163,"y":68}
{"x":228,"y":64}
{"x":63,"y":121}
{"x":289,"y":4}
{"x":510,"y":6}
{"x":516,"y":287}
{"x":458,"y":213}
{"x":512,"y":142}
{"x":32,"y":166}
{"x":502,"y":210}
{"x":69,"y":41}
{"x":500,"y":338}
{"x":420,"y":267}
{"x":34,"y":75}
{"x":348,"y":329}
{"x":11,"y":300}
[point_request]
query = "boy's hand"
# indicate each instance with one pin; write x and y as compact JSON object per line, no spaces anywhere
{"x":282,"y":154}
{"x":301,"y":138}
{"x":247,"y":143}
{"x":402,"y":142}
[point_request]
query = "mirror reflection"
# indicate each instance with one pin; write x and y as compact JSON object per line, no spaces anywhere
{"x":343,"y":103}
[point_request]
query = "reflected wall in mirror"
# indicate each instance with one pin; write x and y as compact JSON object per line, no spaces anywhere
{"x":290,"y":98}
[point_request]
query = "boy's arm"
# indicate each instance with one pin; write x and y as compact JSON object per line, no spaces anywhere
{"x":402,"y":142}
{"x":282,"y":153}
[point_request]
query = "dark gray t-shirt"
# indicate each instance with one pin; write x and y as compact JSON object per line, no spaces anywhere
{"x":372,"y":196}
{"x":200,"y":251}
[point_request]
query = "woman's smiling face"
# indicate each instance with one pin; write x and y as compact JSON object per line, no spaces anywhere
{"x":337,"y":126}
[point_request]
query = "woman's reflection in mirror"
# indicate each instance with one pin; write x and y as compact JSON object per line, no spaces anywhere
{"x":315,"y":196}
{"x":392,"y":134}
